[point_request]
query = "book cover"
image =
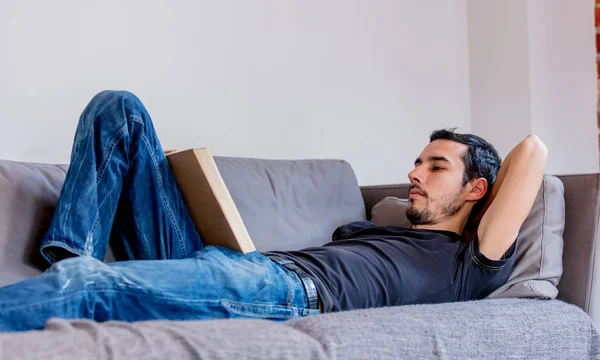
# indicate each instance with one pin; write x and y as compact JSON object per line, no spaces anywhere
{"x":208,"y":200}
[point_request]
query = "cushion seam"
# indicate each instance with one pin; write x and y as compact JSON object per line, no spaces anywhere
{"x":544,"y":221}
{"x":532,"y":289}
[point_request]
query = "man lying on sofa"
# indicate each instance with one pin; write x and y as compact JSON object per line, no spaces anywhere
{"x":119,"y":181}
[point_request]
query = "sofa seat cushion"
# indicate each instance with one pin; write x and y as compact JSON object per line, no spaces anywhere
{"x":484,"y":329}
{"x":480,"y":329}
{"x":209,"y":339}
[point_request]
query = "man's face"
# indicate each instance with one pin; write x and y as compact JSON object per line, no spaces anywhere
{"x":437,"y":191}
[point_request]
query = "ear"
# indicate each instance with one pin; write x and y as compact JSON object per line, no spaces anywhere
{"x":478,"y":188}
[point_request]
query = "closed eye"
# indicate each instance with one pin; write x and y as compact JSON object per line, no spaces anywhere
{"x":437,"y":168}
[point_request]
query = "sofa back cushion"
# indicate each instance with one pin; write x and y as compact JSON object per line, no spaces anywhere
{"x":289,"y":205}
{"x":391,"y":211}
{"x":28,"y":196}
{"x":284,"y":204}
{"x":538,"y":265}
{"x":539,"y":262}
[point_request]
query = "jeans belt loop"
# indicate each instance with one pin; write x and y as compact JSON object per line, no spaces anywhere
{"x":309,"y":285}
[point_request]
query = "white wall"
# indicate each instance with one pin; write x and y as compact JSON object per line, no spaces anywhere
{"x":499,"y":71}
{"x":359,"y":80}
{"x":563,"y":83}
{"x":533,"y":71}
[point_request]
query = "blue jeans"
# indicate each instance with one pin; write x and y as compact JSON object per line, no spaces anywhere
{"x":119,"y":186}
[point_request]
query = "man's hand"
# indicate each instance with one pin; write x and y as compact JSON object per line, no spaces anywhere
{"x":511,"y":197}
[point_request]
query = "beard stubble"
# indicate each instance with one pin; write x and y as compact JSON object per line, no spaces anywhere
{"x":447,"y":206}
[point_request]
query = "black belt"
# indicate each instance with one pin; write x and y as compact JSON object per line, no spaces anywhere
{"x":307,"y":282}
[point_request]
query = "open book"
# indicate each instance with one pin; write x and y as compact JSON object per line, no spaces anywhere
{"x":208,"y":201}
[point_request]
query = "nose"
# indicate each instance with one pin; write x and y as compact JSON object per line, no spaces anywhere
{"x":416,"y":175}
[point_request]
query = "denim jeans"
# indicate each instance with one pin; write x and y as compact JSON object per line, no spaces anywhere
{"x":119,"y":186}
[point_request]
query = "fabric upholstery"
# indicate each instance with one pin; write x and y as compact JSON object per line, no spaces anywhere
{"x":160,"y":340}
{"x":28,"y":196}
{"x":289,"y":205}
{"x":373,"y":194}
{"x":580,"y":282}
{"x":391,"y":211}
{"x":486,"y":329}
{"x":483,"y":329}
{"x":538,"y":265}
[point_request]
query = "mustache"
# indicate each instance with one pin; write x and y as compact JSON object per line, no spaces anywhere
{"x":418,"y":188}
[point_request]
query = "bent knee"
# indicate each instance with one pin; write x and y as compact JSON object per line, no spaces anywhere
{"x":82,"y":274}
{"x":116,"y":101}
{"x":79,"y":264}
{"x":114,"y":108}
{"x":114,"y":96}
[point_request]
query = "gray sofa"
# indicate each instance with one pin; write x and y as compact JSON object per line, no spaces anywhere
{"x":295,"y":204}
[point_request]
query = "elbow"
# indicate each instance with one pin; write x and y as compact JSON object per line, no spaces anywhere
{"x":535,"y":147}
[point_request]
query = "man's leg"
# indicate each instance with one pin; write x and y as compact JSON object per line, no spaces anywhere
{"x":117,"y":162}
{"x":214,"y":282}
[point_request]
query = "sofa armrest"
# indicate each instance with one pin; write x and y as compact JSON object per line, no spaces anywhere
{"x":374,"y":194}
{"x":580,"y":282}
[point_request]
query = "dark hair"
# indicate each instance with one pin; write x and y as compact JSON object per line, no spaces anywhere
{"x":481,"y":159}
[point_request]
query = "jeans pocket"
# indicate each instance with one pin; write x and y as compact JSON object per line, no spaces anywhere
{"x":260,"y":311}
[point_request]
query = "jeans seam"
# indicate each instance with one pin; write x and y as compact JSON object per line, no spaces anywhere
{"x":88,"y":245}
{"x":111,"y":147}
{"x":128,"y":290}
{"x":231,"y":306}
{"x":164,"y":197}
{"x":286,"y":273}
{"x":291,"y":288}
{"x":59,"y":244}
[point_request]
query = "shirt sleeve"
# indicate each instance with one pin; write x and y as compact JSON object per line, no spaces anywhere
{"x":480,"y":275}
